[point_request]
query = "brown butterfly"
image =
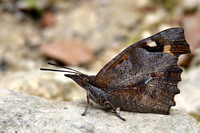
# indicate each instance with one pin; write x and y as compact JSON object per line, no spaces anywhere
{"x":142,"y":78}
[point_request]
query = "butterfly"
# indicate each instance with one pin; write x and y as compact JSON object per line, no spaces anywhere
{"x":142,"y":78}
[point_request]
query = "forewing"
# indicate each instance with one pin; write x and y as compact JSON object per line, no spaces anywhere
{"x":135,"y":65}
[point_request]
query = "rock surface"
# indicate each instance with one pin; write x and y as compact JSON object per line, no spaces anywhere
{"x":189,"y":98}
{"x":49,"y":85}
{"x":24,"y":113}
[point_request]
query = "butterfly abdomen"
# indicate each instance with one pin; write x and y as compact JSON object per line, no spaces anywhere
{"x":97,"y":95}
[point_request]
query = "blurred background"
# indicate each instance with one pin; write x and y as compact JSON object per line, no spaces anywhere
{"x":85,"y":35}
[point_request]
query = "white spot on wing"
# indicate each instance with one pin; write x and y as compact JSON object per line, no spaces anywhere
{"x":151,"y":43}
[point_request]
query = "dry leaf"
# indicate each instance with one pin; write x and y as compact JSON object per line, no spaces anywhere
{"x":68,"y":52}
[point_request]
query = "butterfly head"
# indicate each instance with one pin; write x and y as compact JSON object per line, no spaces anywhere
{"x":81,"y":79}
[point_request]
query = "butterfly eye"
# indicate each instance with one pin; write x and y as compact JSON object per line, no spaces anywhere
{"x":85,"y":81}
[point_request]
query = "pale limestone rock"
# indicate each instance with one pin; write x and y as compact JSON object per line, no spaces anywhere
{"x":24,"y":113}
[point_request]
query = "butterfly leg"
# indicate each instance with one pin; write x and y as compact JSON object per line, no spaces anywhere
{"x":88,"y":104}
{"x":114,"y":109}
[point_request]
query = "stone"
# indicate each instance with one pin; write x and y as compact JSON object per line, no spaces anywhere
{"x":190,"y":4}
{"x":50,"y":85}
{"x":20,"y":112}
{"x":96,"y":24}
{"x":192,"y":31}
{"x":189,"y":98}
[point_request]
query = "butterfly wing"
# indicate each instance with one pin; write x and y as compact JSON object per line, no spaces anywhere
{"x":144,"y":76}
{"x":166,"y":43}
{"x":151,"y":88}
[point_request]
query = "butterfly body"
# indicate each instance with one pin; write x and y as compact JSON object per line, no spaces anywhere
{"x":96,"y":94}
{"x":142,"y":78}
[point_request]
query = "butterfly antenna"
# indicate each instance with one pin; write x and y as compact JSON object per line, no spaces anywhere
{"x":72,"y":70}
{"x":55,"y":70}
{"x":64,"y":67}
